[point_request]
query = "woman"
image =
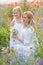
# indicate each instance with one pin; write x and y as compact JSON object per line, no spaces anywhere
{"x":30,"y":46}
{"x":29,"y":34}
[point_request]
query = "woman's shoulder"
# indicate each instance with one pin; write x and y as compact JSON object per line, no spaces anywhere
{"x":31,"y":29}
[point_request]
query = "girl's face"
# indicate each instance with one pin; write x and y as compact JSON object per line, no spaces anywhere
{"x":17,"y":13}
{"x":26,"y":20}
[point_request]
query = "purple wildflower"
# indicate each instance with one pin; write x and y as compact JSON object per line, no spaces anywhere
{"x":0,"y":53}
{"x":42,"y":40}
{"x":13,"y":60}
{"x":22,"y":58}
{"x":41,"y":25}
{"x":40,"y":61}
{"x":37,"y":12}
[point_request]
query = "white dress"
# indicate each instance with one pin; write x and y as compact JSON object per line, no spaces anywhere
{"x":30,"y":45}
{"x":13,"y":42}
{"x":30,"y":41}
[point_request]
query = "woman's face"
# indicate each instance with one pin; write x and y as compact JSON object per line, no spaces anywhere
{"x":26,"y":20}
{"x":17,"y":13}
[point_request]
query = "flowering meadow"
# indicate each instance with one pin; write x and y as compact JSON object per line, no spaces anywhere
{"x":11,"y":57}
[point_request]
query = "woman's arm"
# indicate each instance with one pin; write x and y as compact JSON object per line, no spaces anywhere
{"x":21,"y":40}
{"x":18,"y":38}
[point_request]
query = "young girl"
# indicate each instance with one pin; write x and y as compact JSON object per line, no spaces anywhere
{"x":17,"y":24}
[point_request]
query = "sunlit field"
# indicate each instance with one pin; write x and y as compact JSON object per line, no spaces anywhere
{"x":6,"y":16}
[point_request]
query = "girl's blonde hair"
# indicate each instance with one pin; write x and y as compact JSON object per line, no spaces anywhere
{"x":32,"y":21}
{"x":19,"y":9}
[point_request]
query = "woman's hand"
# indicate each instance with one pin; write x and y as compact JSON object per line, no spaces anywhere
{"x":18,"y":38}
{"x":15,"y":36}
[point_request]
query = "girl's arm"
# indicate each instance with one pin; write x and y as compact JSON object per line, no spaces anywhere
{"x":11,"y":25}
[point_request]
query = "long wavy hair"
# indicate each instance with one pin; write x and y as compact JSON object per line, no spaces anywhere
{"x":32,"y":21}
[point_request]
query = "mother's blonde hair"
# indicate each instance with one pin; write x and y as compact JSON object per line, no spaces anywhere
{"x":32,"y":21}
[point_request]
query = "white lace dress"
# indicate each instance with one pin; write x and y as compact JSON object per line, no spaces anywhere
{"x":31,"y":44}
{"x":13,"y":42}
